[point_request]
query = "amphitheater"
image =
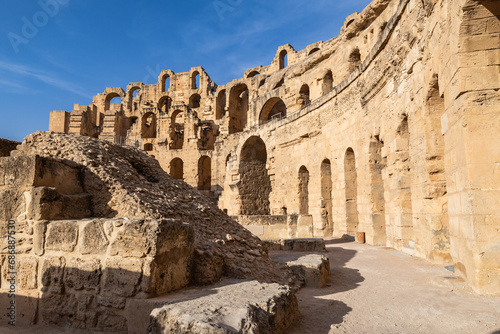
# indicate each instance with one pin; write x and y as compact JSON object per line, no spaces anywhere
{"x":388,"y":132}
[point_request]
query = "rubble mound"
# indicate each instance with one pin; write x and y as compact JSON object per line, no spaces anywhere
{"x":124,"y":182}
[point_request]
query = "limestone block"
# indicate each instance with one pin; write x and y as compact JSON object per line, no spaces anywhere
{"x":109,"y":322}
{"x":313,"y":269}
{"x":83,"y":274}
{"x":62,"y":236}
{"x":305,"y":226}
{"x":93,"y":239}
{"x":51,"y":273}
{"x":114,"y":302}
{"x":27,"y":269}
{"x":121,"y":276}
{"x":67,"y":310}
{"x":48,"y":203}
{"x":231,"y":307}
{"x":39,"y":229}
{"x":133,"y":239}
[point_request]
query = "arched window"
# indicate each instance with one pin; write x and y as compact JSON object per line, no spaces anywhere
{"x":112,"y":99}
{"x":303,"y":191}
{"x":204,"y":173}
{"x":274,"y":108}
{"x":253,"y":74}
{"x":238,"y":108}
{"x":177,"y":130}
{"x":283,"y":59}
{"x":327,"y":84}
{"x":195,"y":80}
{"x":313,"y":51}
{"x":177,"y":169}
{"x":220,"y":104}
{"x":194,"y":101}
{"x":165,"y":104}
{"x":166,"y":83}
{"x":148,"y":129}
{"x":304,"y":96}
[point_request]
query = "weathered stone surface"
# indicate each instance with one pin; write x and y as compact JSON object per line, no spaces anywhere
{"x":232,"y":307}
{"x":27,"y":273}
{"x":312,"y":269}
{"x":61,"y":236}
{"x":39,"y":229}
{"x":121,"y":276}
{"x":83,"y":274}
{"x":298,"y":245}
{"x":51,"y":273}
{"x":93,"y":239}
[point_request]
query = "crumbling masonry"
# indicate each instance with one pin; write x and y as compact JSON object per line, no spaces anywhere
{"x":392,"y":129}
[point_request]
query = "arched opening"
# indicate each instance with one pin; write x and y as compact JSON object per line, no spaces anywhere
{"x":238,"y":108}
{"x":354,"y":59}
{"x":112,"y":99}
{"x":253,"y":74}
{"x":166,"y":83}
{"x":303,"y":191}
{"x":255,"y":183}
{"x":164,"y":104}
{"x":195,"y":80}
{"x":148,"y":147}
{"x":327,"y":84}
{"x":351,"y":192}
{"x":377,"y":164}
{"x":326,"y":197}
{"x":313,"y":51}
{"x":148,"y":129}
{"x":274,"y":108}
{"x":134,"y":98}
{"x":177,"y":130}
{"x":303,"y":99}
{"x":220,"y":104}
{"x":177,"y":169}
{"x":194,"y":101}
{"x":436,"y":196}
{"x":204,"y":173}
{"x":283,"y":59}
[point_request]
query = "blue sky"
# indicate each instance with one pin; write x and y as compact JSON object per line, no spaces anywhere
{"x":54,"y":53}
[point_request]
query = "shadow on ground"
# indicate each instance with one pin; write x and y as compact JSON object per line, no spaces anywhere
{"x":318,"y":313}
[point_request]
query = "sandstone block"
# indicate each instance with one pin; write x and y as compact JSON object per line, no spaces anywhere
{"x":51,"y":273}
{"x":82,"y":274}
{"x":312,"y":269}
{"x":121,"y":276}
{"x":62,"y":236}
{"x":93,"y":239}
{"x":232,"y":307}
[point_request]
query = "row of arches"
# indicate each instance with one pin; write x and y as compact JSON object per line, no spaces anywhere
{"x":176,"y":171}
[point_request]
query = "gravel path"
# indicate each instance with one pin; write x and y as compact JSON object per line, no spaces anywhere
{"x":380,"y":290}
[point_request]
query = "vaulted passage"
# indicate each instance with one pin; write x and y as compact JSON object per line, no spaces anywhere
{"x":274,"y":108}
{"x":303,"y":191}
{"x":351,"y":192}
{"x":177,"y":169}
{"x":377,"y":192}
{"x":255,"y":184}
{"x":204,"y":173}
{"x":326,"y":197}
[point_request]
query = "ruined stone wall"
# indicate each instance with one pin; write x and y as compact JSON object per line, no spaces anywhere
{"x":403,"y":104}
{"x":6,"y":146}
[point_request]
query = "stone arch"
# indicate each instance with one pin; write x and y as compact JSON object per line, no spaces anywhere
{"x":255,"y":184}
{"x":253,"y":74}
{"x":177,"y":169}
{"x":165,"y":80}
{"x":220,"y":104}
{"x":313,"y":51}
{"x":326,"y":197}
{"x":195,"y":80}
{"x":134,"y":97}
{"x":303,"y":191}
{"x":148,"y":125}
{"x":164,"y":104}
{"x":283,"y":59}
{"x":177,"y":130}
{"x":354,"y":59}
{"x":377,"y":164}
{"x":194,"y":101}
{"x":351,"y":192}
{"x":109,"y":97}
{"x":273,"y":108}
{"x":204,"y":173}
{"x":327,"y":82}
{"x":304,"y":96}
{"x":238,"y":108}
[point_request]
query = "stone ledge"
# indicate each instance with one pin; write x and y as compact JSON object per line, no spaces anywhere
{"x":297,"y":245}
{"x":312,"y":269}
{"x":232,"y":306}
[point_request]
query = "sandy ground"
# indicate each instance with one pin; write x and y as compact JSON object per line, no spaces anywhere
{"x":380,"y":290}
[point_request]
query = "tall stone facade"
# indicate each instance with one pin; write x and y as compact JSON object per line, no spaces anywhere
{"x":390,"y":128}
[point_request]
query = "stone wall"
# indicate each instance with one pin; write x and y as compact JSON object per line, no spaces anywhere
{"x":402,"y":104}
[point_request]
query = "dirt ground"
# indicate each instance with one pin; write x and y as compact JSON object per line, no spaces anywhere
{"x":380,"y":290}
